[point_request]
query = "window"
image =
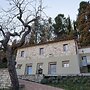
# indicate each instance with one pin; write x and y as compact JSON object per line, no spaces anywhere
{"x":41,"y":51}
{"x":84,"y":61}
{"x":65,"y":63}
{"x":29,"y":70}
{"x":65,"y":47}
{"x":22,"y":53}
{"x":19,"y":66}
{"x":52,"y":68}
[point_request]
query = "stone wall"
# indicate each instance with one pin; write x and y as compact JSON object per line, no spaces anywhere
{"x":34,"y":78}
{"x":4,"y":78}
{"x":52,"y":53}
{"x":49,"y":50}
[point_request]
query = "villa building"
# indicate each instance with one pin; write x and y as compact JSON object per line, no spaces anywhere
{"x":53,"y":58}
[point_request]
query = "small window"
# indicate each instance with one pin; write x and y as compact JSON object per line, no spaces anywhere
{"x":41,"y":51}
{"x":65,"y":63}
{"x":22,"y":53}
{"x":19,"y":66}
{"x":65,"y":47}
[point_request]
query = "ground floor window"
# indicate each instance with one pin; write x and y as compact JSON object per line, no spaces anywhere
{"x":65,"y":63}
{"x":29,"y":69}
{"x":84,"y":61}
{"x":52,"y":68}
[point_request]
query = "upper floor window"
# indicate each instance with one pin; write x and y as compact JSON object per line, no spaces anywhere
{"x":65,"y":63}
{"x":22,"y":53}
{"x":65,"y":47}
{"x":41,"y":51}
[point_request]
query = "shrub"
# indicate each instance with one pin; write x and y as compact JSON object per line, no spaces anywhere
{"x":44,"y":81}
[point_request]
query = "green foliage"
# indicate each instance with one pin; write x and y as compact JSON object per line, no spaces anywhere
{"x":44,"y":81}
{"x":63,"y":27}
{"x":69,"y":82}
{"x":83,"y":5}
{"x":83,"y":23}
{"x":3,"y":65}
{"x":59,"y":25}
{"x":42,"y":31}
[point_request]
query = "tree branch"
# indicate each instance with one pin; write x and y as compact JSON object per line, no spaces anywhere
{"x":16,"y":45}
{"x":6,"y":40}
{"x":14,"y":34}
{"x":32,"y":20}
{"x":20,"y":19}
{"x":1,"y":48}
{"x":2,"y":31}
{"x":23,"y":30}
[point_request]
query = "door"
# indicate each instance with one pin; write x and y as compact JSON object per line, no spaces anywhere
{"x":39,"y":69}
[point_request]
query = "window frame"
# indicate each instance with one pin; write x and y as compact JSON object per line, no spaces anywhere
{"x":84,"y":60}
{"x":49,"y":68}
{"x":65,"y":47}
{"x":22,"y":53}
{"x":27,"y":67}
{"x":66,"y":64}
{"x":41,"y":51}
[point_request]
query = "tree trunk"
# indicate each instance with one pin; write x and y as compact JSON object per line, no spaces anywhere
{"x":12,"y":70}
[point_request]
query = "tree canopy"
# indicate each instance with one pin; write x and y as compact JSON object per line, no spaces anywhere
{"x":83,"y":23}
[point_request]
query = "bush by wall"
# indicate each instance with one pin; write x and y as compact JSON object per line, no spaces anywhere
{"x":68,"y":82}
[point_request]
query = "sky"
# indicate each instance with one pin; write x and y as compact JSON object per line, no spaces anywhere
{"x":55,"y":7}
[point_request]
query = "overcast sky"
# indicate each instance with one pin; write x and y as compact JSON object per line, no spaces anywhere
{"x":55,"y":7}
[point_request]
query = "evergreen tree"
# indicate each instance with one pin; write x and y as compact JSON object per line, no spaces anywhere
{"x":69,"y":28}
{"x":76,"y":32}
{"x":47,"y":31}
{"x":69,"y":25}
{"x":83,"y":23}
{"x":59,"y":26}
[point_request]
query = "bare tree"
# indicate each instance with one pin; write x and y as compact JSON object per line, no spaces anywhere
{"x":15,"y":25}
